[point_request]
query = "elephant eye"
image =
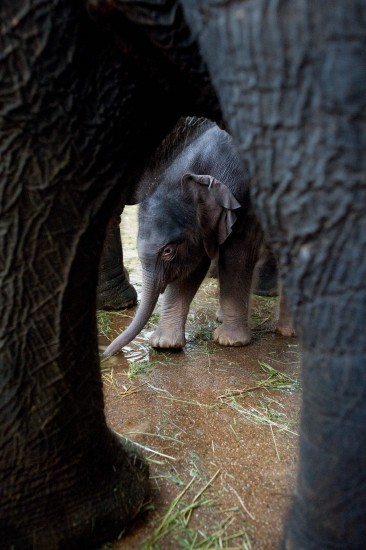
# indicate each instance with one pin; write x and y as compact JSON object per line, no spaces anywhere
{"x":168,"y":252}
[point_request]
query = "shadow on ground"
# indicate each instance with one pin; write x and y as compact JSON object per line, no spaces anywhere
{"x":217,"y":425}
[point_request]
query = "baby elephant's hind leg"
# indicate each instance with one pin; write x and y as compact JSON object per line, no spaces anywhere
{"x":236,"y":266}
{"x":284,"y":324}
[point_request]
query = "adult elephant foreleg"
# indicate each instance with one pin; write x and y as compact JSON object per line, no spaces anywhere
{"x":66,"y":480}
{"x":330,"y":500}
{"x":291,"y":76}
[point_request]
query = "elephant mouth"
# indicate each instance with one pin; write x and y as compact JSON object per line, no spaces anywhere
{"x":163,"y":288}
{"x":163,"y":279}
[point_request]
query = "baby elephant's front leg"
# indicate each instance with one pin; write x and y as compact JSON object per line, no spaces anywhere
{"x":170,"y":330}
{"x":174,"y":310}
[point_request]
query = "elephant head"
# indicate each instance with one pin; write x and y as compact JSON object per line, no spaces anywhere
{"x":179,"y":226}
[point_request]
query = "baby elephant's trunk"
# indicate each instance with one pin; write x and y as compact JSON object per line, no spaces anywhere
{"x":149,"y":297}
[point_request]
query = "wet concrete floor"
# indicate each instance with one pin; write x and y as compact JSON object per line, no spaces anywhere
{"x":217,"y":425}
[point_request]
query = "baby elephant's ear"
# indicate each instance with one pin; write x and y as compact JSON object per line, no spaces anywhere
{"x":215,"y":209}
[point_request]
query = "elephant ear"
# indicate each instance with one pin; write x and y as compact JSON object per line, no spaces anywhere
{"x":215,"y":209}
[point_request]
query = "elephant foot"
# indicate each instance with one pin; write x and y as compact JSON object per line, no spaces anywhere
{"x":219,"y":315}
{"x":286,"y":330}
{"x":232,"y":336}
{"x":285,"y":325}
{"x":167,"y":339}
{"x":116,"y":297}
{"x":86,"y":500}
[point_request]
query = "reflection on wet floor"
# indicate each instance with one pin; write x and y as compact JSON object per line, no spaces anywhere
{"x":217,"y":425}
{"x":139,"y":348}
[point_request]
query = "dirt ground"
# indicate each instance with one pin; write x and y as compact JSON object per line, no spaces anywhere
{"x":217,"y":425}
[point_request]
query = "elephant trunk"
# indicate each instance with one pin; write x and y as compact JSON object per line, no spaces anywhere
{"x":149,"y":298}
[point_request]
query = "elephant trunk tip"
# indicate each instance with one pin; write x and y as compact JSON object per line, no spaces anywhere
{"x":116,"y":345}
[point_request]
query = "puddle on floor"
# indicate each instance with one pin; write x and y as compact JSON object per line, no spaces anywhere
{"x":217,"y":425}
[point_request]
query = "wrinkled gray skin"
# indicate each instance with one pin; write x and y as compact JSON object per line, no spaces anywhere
{"x":79,"y":117}
{"x":199,"y":210}
{"x":114,"y":290}
{"x":75,"y":111}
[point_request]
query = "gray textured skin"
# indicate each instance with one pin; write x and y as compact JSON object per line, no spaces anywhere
{"x":294,"y":98}
{"x":73,"y":110}
{"x":77,"y":118}
{"x":175,"y":247}
{"x":114,"y":290}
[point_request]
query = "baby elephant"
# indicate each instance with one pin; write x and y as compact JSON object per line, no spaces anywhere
{"x":197,"y":208}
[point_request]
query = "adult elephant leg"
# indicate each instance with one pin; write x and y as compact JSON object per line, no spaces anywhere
{"x":329,"y":504}
{"x":77,"y":117}
{"x":71,"y":114}
{"x":294,"y":98}
{"x":114,"y":289}
{"x":66,"y":480}
{"x":175,"y":307}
